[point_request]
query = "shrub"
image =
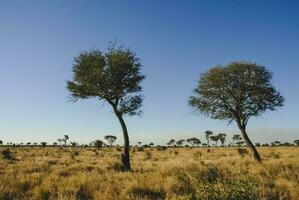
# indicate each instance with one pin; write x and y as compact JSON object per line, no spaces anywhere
{"x":242,"y":152}
{"x":6,"y":154}
{"x":146,"y":194}
{"x":83,"y":194}
{"x":161,"y":148}
{"x":210,"y":175}
{"x":182,"y":185}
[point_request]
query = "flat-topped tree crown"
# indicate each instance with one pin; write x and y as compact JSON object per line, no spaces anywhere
{"x":114,"y":76}
{"x":236,"y":92}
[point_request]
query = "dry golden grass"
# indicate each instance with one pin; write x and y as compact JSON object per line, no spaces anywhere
{"x":176,"y":173}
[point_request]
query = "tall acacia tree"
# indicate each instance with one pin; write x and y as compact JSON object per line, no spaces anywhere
{"x":113,"y":77}
{"x":236,"y":92}
{"x":111,"y":139}
{"x":208,"y":135}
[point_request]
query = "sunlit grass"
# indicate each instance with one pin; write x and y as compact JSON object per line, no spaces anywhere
{"x":176,"y":173}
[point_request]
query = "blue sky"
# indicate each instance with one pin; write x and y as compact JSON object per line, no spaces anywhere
{"x":175,"y":40}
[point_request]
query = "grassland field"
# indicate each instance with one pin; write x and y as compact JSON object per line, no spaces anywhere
{"x":224,"y":173}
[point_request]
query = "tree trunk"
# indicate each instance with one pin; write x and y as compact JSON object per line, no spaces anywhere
{"x":256,"y":155}
{"x":125,"y":157}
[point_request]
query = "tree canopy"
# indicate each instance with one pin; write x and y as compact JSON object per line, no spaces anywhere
{"x":236,"y":92}
{"x":113,"y":77}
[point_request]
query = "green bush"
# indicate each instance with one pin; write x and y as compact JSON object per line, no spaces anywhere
{"x":146,"y":194}
{"x":6,"y":154}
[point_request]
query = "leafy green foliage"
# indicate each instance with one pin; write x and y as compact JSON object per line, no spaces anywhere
{"x":6,"y":154}
{"x":236,"y":91}
{"x":111,"y":139}
{"x":114,"y":76}
{"x":98,"y":144}
{"x":193,"y":141}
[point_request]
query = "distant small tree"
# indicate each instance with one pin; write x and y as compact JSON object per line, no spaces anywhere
{"x":204,"y":144}
{"x":180,"y":142}
{"x":151,"y":144}
{"x":65,"y":139}
{"x":215,"y":138}
{"x":287,"y":144}
{"x":1,"y":142}
{"x":193,"y":141}
{"x":35,"y":143}
{"x":44,"y":144}
{"x":98,"y":144}
{"x":235,"y":138}
{"x":139,"y":143}
{"x":296,"y":142}
{"x":236,"y":92}
{"x":171,"y":142}
{"x":54,"y":143}
{"x":111,"y":139}
{"x":240,"y":143}
{"x":222,"y":137}
{"x":257,"y":144}
{"x":74,"y":144}
{"x":208,"y":134}
{"x":276,"y":143}
{"x":28,"y":143}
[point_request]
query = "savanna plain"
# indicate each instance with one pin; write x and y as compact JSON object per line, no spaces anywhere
{"x":62,"y":173}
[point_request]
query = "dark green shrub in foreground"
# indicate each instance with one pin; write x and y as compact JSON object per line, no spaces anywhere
{"x":6,"y":154}
{"x":146,"y":193}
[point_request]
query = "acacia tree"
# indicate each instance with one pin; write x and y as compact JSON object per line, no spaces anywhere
{"x":296,"y":142}
{"x":193,"y":141}
{"x":236,"y":137}
{"x":65,"y":139}
{"x":113,"y":77}
{"x":1,"y":142}
{"x":180,"y":142}
{"x":171,"y":142}
{"x":215,"y":138}
{"x":276,"y":143}
{"x":222,"y":137}
{"x":151,"y":144}
{"x":208,"y":134}
{"x":44,"y":144}
{"x":98,"y":144}
{"x":236,"y":92}
{"x":111,"y":139}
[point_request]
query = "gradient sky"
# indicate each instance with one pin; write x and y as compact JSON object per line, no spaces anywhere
{"x":175,"y":40}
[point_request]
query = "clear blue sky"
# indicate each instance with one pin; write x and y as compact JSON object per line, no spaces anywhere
{"x":176,"y":41}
